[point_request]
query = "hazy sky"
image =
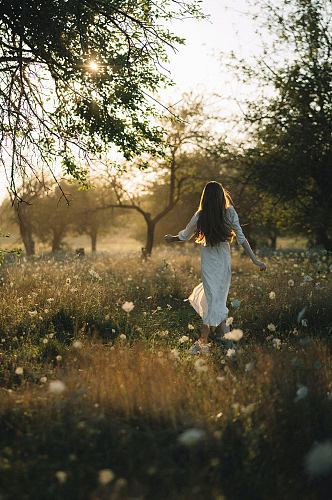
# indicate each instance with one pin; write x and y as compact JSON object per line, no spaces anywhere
{"x":197,"y":65}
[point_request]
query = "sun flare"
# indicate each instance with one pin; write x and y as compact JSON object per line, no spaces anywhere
{"x":93,"y":66}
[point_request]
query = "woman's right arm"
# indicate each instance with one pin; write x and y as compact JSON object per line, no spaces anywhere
{"x":186,"y":233}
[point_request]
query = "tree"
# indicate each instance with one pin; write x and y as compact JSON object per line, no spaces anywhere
{"x":187,"y":132}
{"x":289,"y":157}
{"x":77,"y":76}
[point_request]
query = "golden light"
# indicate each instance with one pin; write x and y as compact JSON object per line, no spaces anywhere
{"x":93,"y":66}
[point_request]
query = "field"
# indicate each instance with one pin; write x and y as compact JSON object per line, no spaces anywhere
{"x":100,"y":403}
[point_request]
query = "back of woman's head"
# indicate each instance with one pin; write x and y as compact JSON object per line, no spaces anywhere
{"x":212,"y":227}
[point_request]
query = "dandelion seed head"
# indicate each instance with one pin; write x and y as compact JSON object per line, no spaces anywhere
{"x":235,"y":335}
{"x":318,"y":461}
{"x":56,"y":386}
{"x":105,"y":476}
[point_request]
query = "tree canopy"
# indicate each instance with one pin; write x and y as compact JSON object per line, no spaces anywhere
{"x":289,"y":159}
{"x":76,"y":76}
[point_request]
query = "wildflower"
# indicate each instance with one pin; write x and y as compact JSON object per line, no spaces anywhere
{"x":45,"y":340}
{"x":169,"y":307}
{"x":73,"y":290}
{"x":175,"y":353}
{"x":77,"y":344}
{"x":236,"y":303}
{"x":50,"y":300}
{"x":230,"y":353}
{"x":43,"y":380}
{"x":301,"y":392}
{"x":107,"y":317}
{"x":191,"y":327}
{"x":56,"y":386}
{"x":235,"y":335}
{"x":304,"y":322}
{"x":68,"y":281}
{"x":19,"y":370}
{"x":276,"y":343}
{"x":318,"y":461}
{"x":301,"y":315}
{"x":307,"y":278}
{"x":200,"y":365}
{"x":32,"y":313}
{"x":183,"y":339}
{"x":163,"y":333}
{"x":45,"y":311}
{"x":220,"y":379}
{"x":229,"y":321}
{"x":191,"y":436}
{"x":290,"y":282}
{"x":128,"y":306}
{"x":58,"y":357}
{"x":271,"y":327}
{"x":94,"y":274}
{"x":61,"y":476}
{"x":272,"y":295}
{"x":105,"y":476}
{"x":122,"y":336}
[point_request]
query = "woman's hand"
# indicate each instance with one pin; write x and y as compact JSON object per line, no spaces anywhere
{"x":168,"y":238}
{"x":261,"y":265}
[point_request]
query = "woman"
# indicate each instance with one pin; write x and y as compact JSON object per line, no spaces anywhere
{"x":214,"y":225}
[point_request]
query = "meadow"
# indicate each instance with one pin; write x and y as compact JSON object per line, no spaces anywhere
{"x":99,"y":398}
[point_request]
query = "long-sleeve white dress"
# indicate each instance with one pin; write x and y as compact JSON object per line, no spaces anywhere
{"x":209,"y":297}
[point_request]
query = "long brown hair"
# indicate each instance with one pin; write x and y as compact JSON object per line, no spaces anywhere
{"x":212,"y":227}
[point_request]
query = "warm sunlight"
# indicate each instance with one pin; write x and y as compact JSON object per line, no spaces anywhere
{"x":93,"y":66}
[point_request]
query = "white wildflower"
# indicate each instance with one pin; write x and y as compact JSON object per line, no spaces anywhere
{"x":58,"y":357}
{"x":105,"y":476}
{"x":229,"y":321}
{"x":68,"y":281}
{"x":191,"y":327}
{"x":43,"y":380}
{"x":191,"y":436}
{"x":183,"y":339}
{"x":235,"y":335}
{"x":318,"y":461}
{"x":94,"y":274}
{"x":230,"y":353}
{"x":271,"y":327}
{"x":51,"y":299}
{"x":19,"y":370}
{"x":249,"y":367}
{"x":200,"y":365}
{"x":290,"y":282}
{"x":276,"y":343}
{"x":56,"y":386}
{"x":45,"y":340}
{"x":122,"y":336}
{"x":61,"y":476}
{"x":128,"y":306}
{"x":301,"y":314}
{"x":163,"y":333}
{"x":77,"y":344}
{"x":32,"y":313}
{"x":301,"y":392}
{"x":272,"y":295}
{"x":304,"y":322}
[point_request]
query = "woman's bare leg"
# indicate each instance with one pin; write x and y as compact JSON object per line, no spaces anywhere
{"x":204,"y":334}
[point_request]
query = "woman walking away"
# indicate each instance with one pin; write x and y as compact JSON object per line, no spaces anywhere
{"x":214,"y":225}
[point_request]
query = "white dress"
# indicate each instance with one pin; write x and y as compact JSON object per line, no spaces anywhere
{"x":209,"y":297}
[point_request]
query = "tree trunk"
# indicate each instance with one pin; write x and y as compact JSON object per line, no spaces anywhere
{"x":273,"y":238}
{"x":26,"y":232}
{"x":149,"y":237}
{"x":93,"y":237}
{"x":56,"y":241}
{"x":322,"y":238}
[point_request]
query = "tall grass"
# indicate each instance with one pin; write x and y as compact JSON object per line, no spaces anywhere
{"x":87,"y":387}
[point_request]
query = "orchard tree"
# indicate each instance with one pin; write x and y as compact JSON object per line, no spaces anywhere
{"x":290,"y":156}
{"x":77,"y":77}
{"x":186,"y":133}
